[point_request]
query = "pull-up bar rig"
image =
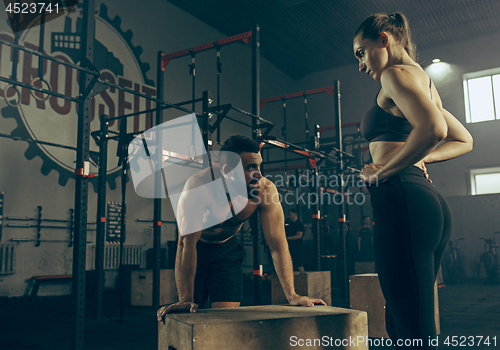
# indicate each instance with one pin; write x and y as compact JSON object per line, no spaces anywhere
{"x":328,"y":89}
{"x":167,"y":58}
{"x":355,"y":139}
{"x":252,"y":37}
{"x":103,"y":135}
{"x":88,"y":80}
{"x":342,"y":158}
{"x":88,"y":69}
{"x":223,"y":110}
{"x":315,"y":157}
{"x":89,"y":88}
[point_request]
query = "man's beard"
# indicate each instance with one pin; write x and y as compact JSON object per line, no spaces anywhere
{"x":252,"y":192}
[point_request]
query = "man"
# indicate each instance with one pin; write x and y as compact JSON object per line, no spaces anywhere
{"x":365,"y":241}
{"x":209,"y":259}
{"x":294,"y":230}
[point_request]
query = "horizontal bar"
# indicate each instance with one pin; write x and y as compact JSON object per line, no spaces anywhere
{"x":301,"y":166}
{"x":163,"y":221}
{"x":36,"y":141}
{"x":354,"y":170}
{"x":133,"y":92}
{"x":282,"y":160}
{"x":16,"y":138}
{"x":50,"y":58}
{"x":113,"y":138}
{"x":305,"y":152}
{"x":161,"y":108}
{"x":291,"y":148}
{"x":30,"y":226}
{"x":41,"y":240}
{"x":327,"y":89}
{"x":55,"y":277}
{"x":22,"y":218}
{"x":252,"y":115}
{"x":337,"y":151}
{"x":31,"y":87}
{"x":287,"y":168}
{"x":166,"y":153}
{"x":142,"y":131}
{"x":168,"y":57}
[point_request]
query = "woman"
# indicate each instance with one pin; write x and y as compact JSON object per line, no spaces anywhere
{"x":407,"y":127}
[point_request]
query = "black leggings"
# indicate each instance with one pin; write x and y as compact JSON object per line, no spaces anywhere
{"x":412,"y":229}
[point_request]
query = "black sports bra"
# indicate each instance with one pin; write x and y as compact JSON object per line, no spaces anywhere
{"x":379,"y":125}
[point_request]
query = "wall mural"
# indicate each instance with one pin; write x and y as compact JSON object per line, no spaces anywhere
{"x":54,"y":119}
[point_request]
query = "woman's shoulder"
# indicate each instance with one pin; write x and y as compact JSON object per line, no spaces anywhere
{"x":400,"y":78}
{"x":401,"y":74}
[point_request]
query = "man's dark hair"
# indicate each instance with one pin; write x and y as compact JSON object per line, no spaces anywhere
{"x":292,"y":211}
{"x":237,"y":144}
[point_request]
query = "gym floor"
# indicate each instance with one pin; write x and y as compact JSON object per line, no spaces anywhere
{"x":470,"y":308}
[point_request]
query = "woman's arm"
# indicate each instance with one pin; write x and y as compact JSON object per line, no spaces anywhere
{"x":429,"y":124}
{"x":458,"y":142}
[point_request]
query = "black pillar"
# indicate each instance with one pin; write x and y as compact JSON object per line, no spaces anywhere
{"x":81,"y":182}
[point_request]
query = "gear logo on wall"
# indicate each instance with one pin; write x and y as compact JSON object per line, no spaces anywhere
{"x":54,"y":119}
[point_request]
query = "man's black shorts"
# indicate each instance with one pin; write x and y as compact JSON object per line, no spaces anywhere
{"x":219,"y":272}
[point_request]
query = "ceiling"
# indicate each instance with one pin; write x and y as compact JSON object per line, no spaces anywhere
{"x":301,"y":37}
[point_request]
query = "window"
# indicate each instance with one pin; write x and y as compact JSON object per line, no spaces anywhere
{"x":485,"y":180}
{"x":482,"y":96}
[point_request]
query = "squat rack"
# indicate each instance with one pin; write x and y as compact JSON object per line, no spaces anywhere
{"x":221,"y":111}
{"x":315,"y":158}
{"x":258,"y":123}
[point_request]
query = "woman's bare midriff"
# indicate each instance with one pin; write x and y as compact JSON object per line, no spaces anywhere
{"x":383,"y":151}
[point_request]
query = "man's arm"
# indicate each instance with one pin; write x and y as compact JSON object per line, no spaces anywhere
{"x":189,"y":218}
{"x":185,"y":270}
{"x":298,"y":235}
{"x":273,"y":227}
{"x":185,"y":266}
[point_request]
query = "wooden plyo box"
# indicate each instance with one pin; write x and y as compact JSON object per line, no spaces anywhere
{"x":366,"y":295}
{"x":314,"y":284}
{"x":271,"y":327}
{"x":141,"y":289}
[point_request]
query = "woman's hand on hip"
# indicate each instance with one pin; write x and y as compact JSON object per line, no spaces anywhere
{"x":369,"y":174}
